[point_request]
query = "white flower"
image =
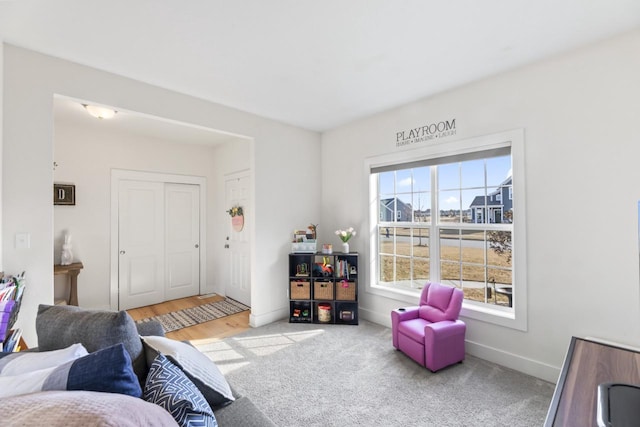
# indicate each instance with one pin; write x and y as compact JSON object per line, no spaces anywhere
{"x":345,"y":235}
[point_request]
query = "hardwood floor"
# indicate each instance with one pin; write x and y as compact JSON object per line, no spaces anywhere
{"x":208,"y":331}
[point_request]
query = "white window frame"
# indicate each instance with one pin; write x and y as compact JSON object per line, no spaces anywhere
{"x":516,"y":317}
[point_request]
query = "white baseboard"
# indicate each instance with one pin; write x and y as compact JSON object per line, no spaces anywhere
{"x":513,"y":361}
{"x":264,"y":319}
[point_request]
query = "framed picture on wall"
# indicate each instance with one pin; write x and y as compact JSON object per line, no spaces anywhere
{"x":64,"y":194}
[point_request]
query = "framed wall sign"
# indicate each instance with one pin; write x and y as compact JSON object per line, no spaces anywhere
{"x":64,"y":194}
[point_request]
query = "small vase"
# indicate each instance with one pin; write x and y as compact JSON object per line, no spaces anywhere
{"x":345,"y":247}
{"x":66,"y":257}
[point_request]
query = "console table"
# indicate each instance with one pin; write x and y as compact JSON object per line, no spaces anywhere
{"x":72,"y":270}
{"x":588,"y":364}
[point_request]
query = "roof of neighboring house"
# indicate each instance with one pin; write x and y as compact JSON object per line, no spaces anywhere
{"x":388,"y":202}
{"x":480,"y":201}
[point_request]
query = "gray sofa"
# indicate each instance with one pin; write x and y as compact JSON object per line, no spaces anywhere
{"x":60,"y":326}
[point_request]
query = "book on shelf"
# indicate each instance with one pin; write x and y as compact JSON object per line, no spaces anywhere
{"x":12,"y":343}
{"x":11,"y":291}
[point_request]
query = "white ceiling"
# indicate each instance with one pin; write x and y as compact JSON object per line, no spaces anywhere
{"x":316,"y":64}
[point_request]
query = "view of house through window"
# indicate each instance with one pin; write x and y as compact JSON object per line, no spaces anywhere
{"x":448,"y":220}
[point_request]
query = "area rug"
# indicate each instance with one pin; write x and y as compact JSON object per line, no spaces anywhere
{"x":195,"y":315}
{"x":343,"y":375}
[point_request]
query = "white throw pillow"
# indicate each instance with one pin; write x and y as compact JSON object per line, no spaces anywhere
{"x":26,"y":361}
{"x":201,"y":370}
{"x":28,"y":382}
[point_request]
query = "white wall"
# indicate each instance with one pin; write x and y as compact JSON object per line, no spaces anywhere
{"x":30,"y":82}
{"x":85,"y":156}
{"x":580,"y":115}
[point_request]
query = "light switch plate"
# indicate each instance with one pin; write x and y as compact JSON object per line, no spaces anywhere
{"x":23,"y":240}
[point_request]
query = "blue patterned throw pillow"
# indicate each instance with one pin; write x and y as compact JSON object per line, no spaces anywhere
{"x":168,"y":387}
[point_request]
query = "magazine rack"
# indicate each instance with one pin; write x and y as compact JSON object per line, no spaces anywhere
{"x":9,"y":309}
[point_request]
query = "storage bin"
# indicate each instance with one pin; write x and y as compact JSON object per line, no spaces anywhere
{"x":322,"y":290}
{"x":346,"y":290}
{"x":300,"y":289}
{"x":324,"y":313}
{"x":305,"y":247}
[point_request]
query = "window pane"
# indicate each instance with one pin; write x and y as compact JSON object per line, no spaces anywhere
{"x":449,"y":202}
{"x":499,"y":249}
{"x":404,"y":211}
{"x":403,"y":271}
{"x":386,"y":244}
{"x":421,"y":270}
{"x":403,"y":241}
{"x":473,"y":275}
{"x":450,"y":273}
{"x":404,"y":181}
{"x":421,"y":179}
{"x":472,"y":201}
{"x":503,"y":286}
{"x":450,"y":244}
{"x":386,"y":268}
{"x":472,"y":173}
{"x":472,"y":246}
{"x":387,"y":208}
{"x":498,"y":170}
{"x":421,"y":204}
{"x":449,"y":176}
{"x":473,"y":282}
{"x":421,"y":242}
{"x":386,"y":239}
{"x":386,"y":182}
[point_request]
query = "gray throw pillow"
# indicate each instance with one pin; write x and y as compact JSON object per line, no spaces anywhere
{"x":59,"y":326}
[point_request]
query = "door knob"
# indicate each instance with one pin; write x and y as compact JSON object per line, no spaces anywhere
{"x":197,"y":246}
{"x":122,"y":252}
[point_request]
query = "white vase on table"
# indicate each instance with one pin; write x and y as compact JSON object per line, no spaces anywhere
{"x":345,"y":247}
{"x":66,"y":257}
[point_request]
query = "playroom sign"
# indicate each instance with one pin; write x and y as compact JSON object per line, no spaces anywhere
{"x":430,"y":132}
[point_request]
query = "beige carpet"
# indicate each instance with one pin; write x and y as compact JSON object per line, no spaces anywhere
{"x":342,"y":375}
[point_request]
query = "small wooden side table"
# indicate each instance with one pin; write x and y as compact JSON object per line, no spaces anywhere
{"x":72,"y":270}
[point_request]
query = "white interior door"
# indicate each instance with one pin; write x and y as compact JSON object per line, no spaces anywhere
{"x":238,"y":284}
{"x":141,"y":272}
{"x":182,"y":214}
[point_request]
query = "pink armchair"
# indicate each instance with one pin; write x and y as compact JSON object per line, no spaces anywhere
{"x":431,"y":334}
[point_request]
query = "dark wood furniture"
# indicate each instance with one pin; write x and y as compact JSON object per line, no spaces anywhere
{"x":587,"y":364}
{"x":72,"y":270}
{"x":322,"y":294}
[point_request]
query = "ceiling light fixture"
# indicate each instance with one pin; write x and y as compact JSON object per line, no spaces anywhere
{"x":100,"y":112}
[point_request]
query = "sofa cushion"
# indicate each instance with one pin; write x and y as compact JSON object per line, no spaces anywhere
{"x":23,"y":361}
{"x":106,"y":370}
{"x":168,"y":387}
{"x":197,"y":366}
{"x":59,"y":326}
{"x":82,"y":408}
{"x":243,"y":412}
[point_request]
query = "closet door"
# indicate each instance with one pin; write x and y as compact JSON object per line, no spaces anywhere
{"x":182,"y":242}
{"x":141,"y":249}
